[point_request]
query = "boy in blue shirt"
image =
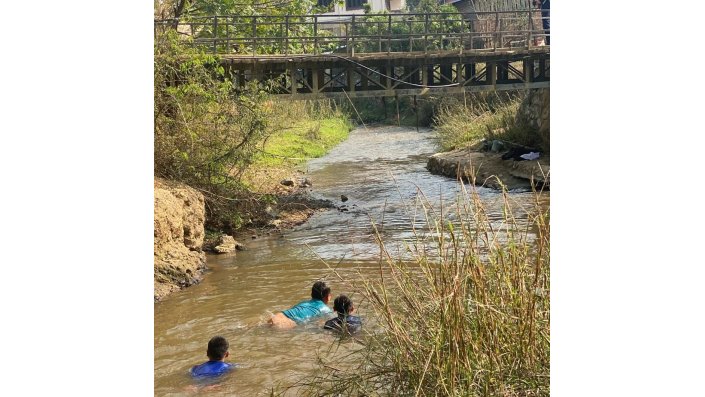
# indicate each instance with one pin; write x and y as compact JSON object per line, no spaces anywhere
{"x":215,"y":366}
{"x":345,"y":323}
{"x":303,"y":311}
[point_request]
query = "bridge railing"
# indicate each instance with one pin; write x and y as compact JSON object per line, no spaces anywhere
{"x":359,"y":34}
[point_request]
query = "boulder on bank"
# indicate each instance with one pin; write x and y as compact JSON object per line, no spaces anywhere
{"x":226,"y":244}
{"x":480,"y":167}
{"x":179,"y":216}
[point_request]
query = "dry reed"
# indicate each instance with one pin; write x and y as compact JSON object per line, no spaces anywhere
{"x":464,"y":311}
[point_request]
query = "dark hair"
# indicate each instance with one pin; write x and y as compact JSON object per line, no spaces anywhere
{"x":320,"y":290}
{"x":342,"y":304}
{"x":217,"y":347}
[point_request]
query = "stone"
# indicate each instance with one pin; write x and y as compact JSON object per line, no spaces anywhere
{"x":287,"y":182}
{"x":226,"y":244}
{"x":343,"y":198}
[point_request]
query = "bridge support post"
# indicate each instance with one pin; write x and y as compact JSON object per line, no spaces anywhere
{"x":416,"y":111}
{"x":491,"y":68}
{"x":542,"y":69}
{"x":315,"y":78}
{"x":446,"y":72}
{"x":292,"y":76}
{"x":382,"y":78}
{"x":503,"y":71}
{"x":528,"y":70}
{"x":460,"y":74}
{"x":310,"y":79}
{"x":428,"y":79}
{"x":351,"y":80}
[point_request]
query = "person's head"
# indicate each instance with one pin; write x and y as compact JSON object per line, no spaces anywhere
{"x":320,"y":291}
{"x":343,"y":305}
{"x":218,"y":348}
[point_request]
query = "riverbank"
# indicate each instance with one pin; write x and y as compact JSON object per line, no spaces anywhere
{"x":490,"y":170}
{"x":274,"y":196}
{"x":484,"y":143}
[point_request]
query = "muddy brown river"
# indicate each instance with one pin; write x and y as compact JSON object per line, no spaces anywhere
{"x":381,"y":170}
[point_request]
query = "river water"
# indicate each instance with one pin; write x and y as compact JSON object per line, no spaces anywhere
{"x":382,"y":172}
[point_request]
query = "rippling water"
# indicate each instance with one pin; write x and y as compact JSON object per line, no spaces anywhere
{"x":381,"y":171}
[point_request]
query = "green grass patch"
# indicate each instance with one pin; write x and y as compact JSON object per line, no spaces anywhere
{"x":302,"y":141}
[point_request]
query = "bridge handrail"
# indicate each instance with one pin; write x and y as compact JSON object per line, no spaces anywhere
{"x":360,"y":33}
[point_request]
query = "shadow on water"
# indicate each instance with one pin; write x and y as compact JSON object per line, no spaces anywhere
{"x":381,"y":171}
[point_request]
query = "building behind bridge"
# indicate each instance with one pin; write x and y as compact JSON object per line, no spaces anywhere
{"x":468,"y":7}
{"x":357,"y":7}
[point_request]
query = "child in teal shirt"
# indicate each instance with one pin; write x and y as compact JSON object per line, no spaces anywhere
{"x":303,"y":311}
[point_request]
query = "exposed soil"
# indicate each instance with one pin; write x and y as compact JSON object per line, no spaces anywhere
{"x":293,"y":203}
{"x":179,"y":215}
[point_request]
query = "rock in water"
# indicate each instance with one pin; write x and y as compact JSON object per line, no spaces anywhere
{"x":225,"y":244}
{"x":343,"y":198}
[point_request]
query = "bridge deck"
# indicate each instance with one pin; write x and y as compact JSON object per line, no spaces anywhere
{"x":467,"y":56}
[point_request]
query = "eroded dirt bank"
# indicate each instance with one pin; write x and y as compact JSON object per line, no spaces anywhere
{"x":179,"y":236}
{"x":179,"y":216}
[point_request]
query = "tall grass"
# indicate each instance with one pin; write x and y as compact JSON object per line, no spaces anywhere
{"x":466,"y":123}
{"x":463,"y":311}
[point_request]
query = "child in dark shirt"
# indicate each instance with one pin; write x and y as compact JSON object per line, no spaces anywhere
{"x":215,"y":366}
{"x":345,"y":322}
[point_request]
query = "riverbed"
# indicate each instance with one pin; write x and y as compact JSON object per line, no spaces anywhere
{"x":382,"y":173}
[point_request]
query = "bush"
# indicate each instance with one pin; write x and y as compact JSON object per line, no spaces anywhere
{"x":205,"y":132}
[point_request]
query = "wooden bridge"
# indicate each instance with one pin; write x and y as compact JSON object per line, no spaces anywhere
{"x":376,"y":55}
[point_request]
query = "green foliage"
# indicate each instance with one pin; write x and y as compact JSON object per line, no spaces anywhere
{"x":234,"y":22}
{"x":205,"y":132}
{"x":248,"y":7}
{"x":418,"y":32}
